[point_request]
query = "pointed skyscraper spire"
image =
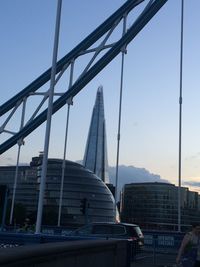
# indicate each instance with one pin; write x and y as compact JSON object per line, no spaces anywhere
{"x":95,"y":158}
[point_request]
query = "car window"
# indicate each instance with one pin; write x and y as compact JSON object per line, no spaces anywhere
{"x":101,"y":229}
{"x":86,"y":230}
{"x":118,"y":230}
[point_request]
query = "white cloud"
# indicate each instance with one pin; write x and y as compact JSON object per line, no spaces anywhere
{"x":131,"y":174}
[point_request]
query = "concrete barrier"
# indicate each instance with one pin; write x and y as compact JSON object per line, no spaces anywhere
{"x":90,"y":253}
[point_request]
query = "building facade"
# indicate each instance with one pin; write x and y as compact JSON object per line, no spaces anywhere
{"x":79,"y":184}
{"x":26,"y":190}
{"x":155,"y":206}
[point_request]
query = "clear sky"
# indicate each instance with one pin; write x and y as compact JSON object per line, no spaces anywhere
{"x":150,"y":109}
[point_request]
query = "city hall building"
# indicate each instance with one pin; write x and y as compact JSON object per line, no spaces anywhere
{"x":79,"y":183}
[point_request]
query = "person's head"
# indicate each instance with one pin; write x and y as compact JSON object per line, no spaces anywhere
{"x":196,"y":228}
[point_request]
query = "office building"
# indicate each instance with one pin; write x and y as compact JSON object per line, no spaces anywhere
{"x":155,"y":206}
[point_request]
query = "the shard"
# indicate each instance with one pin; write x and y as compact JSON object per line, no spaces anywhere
{"x":95,"y":158}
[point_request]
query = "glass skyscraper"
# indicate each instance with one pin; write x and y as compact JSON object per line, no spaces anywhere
{"x":95,"y":158}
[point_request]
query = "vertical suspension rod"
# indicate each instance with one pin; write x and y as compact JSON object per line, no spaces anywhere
{"x":69,"y":102}
{"x":20,"y":142}
{"x":180,"y":118}
{"x":120,"y":111}
{"x":48,"y":125}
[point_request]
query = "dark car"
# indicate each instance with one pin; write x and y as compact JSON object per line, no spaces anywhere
{"x":130,"y":232}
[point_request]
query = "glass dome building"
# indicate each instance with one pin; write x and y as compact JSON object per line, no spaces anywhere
{"x":79,"y":184}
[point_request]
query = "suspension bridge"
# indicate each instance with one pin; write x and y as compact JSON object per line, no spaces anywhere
{"x":102,"y":50}
{"x":90,"y":70}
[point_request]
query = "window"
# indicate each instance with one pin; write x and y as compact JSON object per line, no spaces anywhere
{"x":84,"y":231}
{"x":118,"y":230}
{"x":101,"y":229}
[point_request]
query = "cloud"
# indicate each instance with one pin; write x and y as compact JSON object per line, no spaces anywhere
{"x":24,"y":164}
{"x":193,"y":157}
{"x":10,"y":162}
{"x":191,"y":183}
{"x":131,"y":174}
{"x":9,"y":159}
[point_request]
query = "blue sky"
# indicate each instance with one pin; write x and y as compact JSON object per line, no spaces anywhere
{"x":149,"y":134}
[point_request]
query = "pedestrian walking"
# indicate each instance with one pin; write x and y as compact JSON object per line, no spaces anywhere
{"x":189,"y":251}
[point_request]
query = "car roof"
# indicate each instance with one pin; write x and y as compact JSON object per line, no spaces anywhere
{"x":112,"y":223}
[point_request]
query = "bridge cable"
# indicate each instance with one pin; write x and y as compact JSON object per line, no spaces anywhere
{"x":20,"y":143}
{"x":120,"y":111}
{"x":180,"y":117}
{"x":48,"y":124}
{"x":69,"y":103}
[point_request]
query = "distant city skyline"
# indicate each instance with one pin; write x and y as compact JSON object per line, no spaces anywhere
{"x":149,"y":134}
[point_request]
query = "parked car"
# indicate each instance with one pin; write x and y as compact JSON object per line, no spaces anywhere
{"x":130,"y":232}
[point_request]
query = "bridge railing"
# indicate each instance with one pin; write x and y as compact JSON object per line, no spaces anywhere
{"x":98,"y":253}
{"x":21,"y":239}
{"x":162,"y":240}
{"x":153,"y":240}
